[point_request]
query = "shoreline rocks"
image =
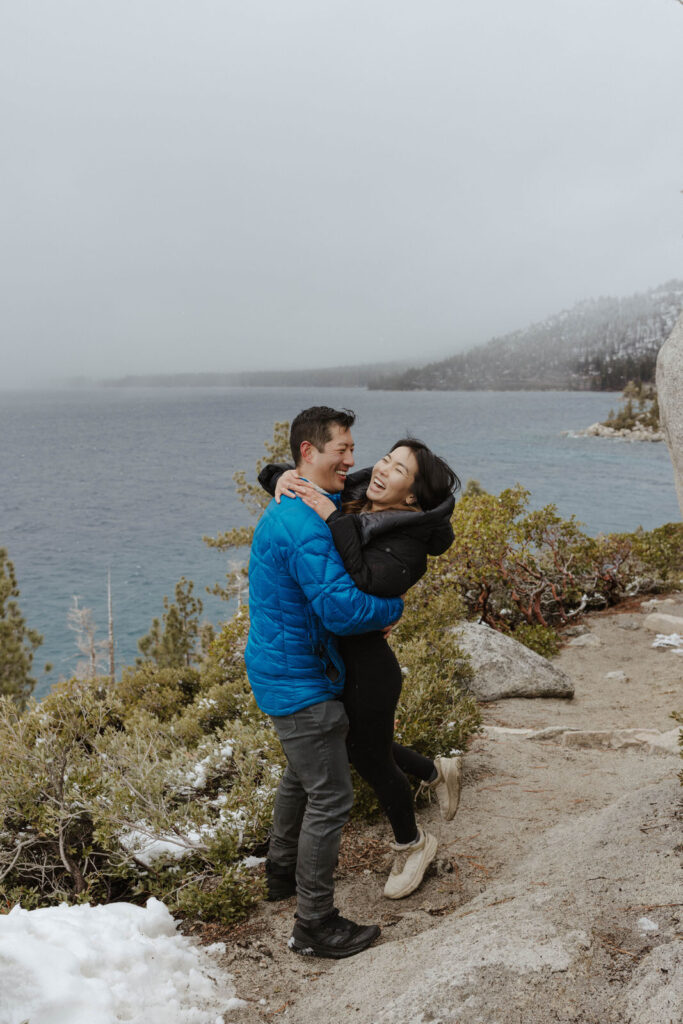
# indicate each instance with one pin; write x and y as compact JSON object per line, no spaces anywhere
{"x":638,"y":433}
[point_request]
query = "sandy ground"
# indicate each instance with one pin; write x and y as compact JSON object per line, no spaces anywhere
{"x":556,"y":894}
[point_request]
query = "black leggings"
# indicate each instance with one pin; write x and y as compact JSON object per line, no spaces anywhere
{"x":371,"y":693}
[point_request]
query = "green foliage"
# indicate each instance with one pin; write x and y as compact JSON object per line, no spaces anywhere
{"x":225,"y":898}
{"x":472,"y":488}
{"x":628,"y":417}
{"x":435,"y":714}
{"x":17,"y":642}
{"x":542,"y":639}
{"x":95,"y":774}
{"x":516,"y":569}
{"x":162,"y":692}
{"x":657,"y":555}
{"x":172,"y":642}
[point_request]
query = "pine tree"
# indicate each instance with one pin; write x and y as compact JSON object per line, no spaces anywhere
{"x":172,"y":642}
{"x":17,"y":642}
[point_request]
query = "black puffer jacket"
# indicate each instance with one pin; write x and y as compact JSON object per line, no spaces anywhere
{"x":385,"y":552}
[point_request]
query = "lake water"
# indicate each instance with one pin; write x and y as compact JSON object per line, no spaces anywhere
{"x":132,"y":479}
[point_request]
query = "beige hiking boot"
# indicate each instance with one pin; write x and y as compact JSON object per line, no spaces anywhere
{"x":410,"y":864}
{"x":447,"y":784}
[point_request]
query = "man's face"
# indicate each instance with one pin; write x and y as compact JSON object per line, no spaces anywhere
{"x":329,"y":467}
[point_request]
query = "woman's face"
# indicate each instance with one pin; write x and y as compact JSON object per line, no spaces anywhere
{"x":391,"y":484}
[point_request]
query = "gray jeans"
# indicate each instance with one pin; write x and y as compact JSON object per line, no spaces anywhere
{"x":313,"y":802}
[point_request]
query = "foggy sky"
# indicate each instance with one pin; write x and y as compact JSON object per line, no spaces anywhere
{"x":211,"y":185}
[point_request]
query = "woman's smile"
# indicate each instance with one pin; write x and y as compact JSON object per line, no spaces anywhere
{"x":393,"y":477}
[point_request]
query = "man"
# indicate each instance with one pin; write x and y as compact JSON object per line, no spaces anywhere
{"x":300,"y":596}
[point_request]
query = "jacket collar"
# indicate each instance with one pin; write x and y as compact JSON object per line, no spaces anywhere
{"x":374,"y":523}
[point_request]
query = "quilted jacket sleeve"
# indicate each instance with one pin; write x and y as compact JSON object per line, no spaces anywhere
{"x":315,"y":564}
{"x":386,"y":567}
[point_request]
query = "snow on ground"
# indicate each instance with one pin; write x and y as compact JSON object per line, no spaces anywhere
{"x":148,"y":848}
{"x":674,"y":640}
{"x":105,"y":965}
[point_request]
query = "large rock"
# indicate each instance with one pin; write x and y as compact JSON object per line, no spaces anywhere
{"x":505,"y":668}
{"x":536,"y":944}
{"x":670,"y":397}
{"x":658,"y":622}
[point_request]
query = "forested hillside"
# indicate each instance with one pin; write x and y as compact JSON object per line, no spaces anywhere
{"x":600,"y":344}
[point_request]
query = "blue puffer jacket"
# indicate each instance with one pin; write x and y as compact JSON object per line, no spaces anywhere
{"x":300,"y":595}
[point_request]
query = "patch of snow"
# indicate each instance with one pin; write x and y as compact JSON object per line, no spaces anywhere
{"x":197,"y":776}
{"x":147,"y":848}
{"x":253,"y":862}
{"x":671,"y":640}
{"x":99,"y":964}
{"x":647,"y":925}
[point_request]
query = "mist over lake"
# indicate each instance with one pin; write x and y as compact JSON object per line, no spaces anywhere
{"x":132,"y":479}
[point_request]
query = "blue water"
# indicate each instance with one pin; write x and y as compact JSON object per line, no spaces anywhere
{"x":131,"y":480}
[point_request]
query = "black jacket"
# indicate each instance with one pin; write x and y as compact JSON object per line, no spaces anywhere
{"x":385,"y":552}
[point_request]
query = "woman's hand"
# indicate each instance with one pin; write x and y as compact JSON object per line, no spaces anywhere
{"x":290,"y":484}
{"x":320,"y":503}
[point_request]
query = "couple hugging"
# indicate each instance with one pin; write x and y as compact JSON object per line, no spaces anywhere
{"x":330,"y":559}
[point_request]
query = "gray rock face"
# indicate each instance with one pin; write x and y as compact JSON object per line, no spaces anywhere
{"x":658,"y":622}
{"x":505,"y":668}
{"x":586,"y":640}
{"x":520,"y":953}
{"x":623,"y":434}
{"x":670,"y":396}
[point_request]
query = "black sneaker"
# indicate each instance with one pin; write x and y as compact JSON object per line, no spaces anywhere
{"x":335,"y":937}
{"x":280,"y":882}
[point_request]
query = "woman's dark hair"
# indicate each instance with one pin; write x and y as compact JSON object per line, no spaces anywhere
{"x":435,"y":479}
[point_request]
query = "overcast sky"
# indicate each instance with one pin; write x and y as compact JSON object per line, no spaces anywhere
{"x":211,"y":185}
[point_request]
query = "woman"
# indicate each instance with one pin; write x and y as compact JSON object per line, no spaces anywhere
{"x":392,"y":517}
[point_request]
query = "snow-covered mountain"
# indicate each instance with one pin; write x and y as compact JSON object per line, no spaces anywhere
{"x":600,"y":344}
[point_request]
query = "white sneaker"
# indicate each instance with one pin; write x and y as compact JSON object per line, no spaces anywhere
{"x":410,"y":864}
{"x":447,"y":785}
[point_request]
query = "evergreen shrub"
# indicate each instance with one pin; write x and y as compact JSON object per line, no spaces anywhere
{"x":528,"y":573}
{"x":90,"y":783}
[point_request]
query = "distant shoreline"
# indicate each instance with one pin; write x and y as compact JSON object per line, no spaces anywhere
{"x":270,"y":380}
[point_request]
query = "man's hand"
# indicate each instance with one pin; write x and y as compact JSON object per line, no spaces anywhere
{"x":290,"y":484}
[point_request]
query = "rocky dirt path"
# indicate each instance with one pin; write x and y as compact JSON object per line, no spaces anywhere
{"x":556,"y":895}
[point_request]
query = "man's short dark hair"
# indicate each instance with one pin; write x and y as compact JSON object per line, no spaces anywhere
{"x":315,"y":425}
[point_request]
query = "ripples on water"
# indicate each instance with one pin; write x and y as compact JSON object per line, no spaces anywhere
{"x":132,"y":479}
